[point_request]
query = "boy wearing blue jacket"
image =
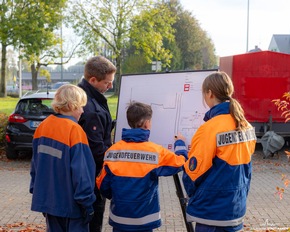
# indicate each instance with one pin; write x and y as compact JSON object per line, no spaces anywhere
{"x":130,"y":173}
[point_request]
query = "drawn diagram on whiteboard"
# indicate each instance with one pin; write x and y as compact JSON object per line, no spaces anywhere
{"x":176,"y":101}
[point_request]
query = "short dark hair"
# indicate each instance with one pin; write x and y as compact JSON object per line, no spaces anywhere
{"x":98,"y":67}
{"x":138,"y":113}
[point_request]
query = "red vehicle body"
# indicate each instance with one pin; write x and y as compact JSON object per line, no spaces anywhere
{"x":258,"y":78}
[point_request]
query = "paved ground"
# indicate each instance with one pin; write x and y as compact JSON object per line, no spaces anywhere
{"x":265,"y":209}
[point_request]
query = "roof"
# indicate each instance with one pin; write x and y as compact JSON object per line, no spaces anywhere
{"x":280,"y":43}
{"x":256,"y":49}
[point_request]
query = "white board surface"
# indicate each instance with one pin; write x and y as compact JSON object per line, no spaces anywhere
{"x":176,"y":101}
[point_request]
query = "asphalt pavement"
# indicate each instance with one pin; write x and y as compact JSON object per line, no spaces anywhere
{"x":267,"y":209}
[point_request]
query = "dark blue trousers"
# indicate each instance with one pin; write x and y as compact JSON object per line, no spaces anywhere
{"x":206,"y":228}
{"x":61,"y":224}
{"x":116,"y":230}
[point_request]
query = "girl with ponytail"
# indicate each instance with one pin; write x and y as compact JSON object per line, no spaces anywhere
{"x":217,"y":173}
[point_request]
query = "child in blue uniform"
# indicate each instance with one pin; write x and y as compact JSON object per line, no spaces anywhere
{"x":131,"y":170}
{"x":62,"y":166}
{"x":218,"y":171}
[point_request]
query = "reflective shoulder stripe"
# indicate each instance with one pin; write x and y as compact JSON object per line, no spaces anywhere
{"x":135,"y":221}
{"x":234,"y":222}
{"x":49,"y":151}
{"x":132,"y":156}
{"x":234,"y":137}
{"x":180,"y":148}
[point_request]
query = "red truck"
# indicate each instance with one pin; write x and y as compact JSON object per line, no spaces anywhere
{"x":260,"y":77}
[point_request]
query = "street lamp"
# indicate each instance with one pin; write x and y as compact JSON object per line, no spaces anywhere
{"x":247,"y":49}
{"x":61,"y":58}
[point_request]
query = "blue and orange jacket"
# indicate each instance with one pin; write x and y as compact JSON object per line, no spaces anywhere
{"x":218,"y":171}
{"x":62,"y":168}
{"x":130,"y":179}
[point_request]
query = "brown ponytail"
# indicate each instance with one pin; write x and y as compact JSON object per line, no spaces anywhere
{"x":222,"y":88}
{"x":237,"y":113}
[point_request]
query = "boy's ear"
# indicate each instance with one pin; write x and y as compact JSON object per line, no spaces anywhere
{"x":147,"y":124}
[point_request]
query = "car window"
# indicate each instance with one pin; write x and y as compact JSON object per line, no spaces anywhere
{"x":34,"y":107}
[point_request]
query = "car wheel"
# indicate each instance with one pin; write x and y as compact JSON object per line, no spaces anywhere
{"x":11,"y":153}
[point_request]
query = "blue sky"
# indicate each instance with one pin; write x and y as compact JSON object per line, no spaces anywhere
{"x":225,"y":21}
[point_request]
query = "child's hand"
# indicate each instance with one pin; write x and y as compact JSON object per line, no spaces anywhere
{"x":179,"y":137}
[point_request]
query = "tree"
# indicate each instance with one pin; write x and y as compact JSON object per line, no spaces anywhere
{"x":39,"y":43}
{"x":105,"y":21}
{"x":150,"y":29}
{"x":283,"y":104}
{"x":7,"y":21}
{"x":12,"y":66}
{"x":190,"y":48}
{"x":209,"y":59}
{"x":136,"y":63}
{"x":28,"y":25}
{"x":197,"y":49}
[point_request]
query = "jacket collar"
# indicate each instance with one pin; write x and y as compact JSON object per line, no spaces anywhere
{"x":92,"y":92}
{"x":222,"y":108}
{"x":135,"y":135}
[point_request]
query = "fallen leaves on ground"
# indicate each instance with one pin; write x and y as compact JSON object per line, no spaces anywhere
{"x":22,"y":227}
{"x":288,"y":155}
{"x":3,"y":154}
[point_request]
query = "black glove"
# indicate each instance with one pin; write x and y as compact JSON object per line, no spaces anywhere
{"x":88,"y":214}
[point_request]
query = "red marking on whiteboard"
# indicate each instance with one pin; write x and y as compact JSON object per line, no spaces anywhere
{"x":186,"y":87}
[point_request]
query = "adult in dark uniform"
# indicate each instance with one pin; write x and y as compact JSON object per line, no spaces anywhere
{"x":96,"y":120}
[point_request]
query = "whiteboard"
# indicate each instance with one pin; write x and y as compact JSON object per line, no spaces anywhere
{"x":176,"y":101}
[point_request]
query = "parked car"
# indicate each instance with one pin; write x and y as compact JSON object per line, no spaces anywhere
{"x":29,"y":112}
{"x":56,"y":85}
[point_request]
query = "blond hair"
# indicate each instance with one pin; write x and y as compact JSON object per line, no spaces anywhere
{"x":222,"y":88}
{"x":68,"y":98}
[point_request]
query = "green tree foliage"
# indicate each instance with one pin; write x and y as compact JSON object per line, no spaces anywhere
{"x":176,"y":60}
{"x":197,"y":49}
{"x":105,"y":21}
{"x":190,"y":48}
{"x":136,"y":63}
{"x":40,"y":44}
{"x":150,"y":29}
{"x":28,"y":25}
{"x":7,"y":21}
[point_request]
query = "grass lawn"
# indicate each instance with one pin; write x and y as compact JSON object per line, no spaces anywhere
{"x":8,"y":104}
{"x":113,"y":103}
